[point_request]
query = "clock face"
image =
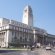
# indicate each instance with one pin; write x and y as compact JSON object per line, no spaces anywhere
{"x":25,"y":10}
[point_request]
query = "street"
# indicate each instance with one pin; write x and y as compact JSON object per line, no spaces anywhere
{"x":37,"y":51}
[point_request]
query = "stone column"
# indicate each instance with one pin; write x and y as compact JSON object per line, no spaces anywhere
{"x":34,"y":36}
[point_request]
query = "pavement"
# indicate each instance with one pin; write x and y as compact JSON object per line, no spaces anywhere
{"x":42,"y":51}
{"x":37,"y":51}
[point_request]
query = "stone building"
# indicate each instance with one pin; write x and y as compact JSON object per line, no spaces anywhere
{"x":21,"y":33}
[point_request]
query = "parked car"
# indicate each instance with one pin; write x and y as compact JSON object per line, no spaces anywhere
{"x":48,"y":47}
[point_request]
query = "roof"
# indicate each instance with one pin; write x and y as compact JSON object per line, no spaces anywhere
{"x":50,"y":35}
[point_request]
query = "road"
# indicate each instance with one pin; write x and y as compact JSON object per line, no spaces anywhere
{"x":28,"y":52}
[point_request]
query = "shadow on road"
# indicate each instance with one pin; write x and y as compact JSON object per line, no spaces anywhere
{"x":6,"y":51}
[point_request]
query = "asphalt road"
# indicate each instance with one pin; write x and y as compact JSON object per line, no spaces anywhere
{"x":28,"y":52}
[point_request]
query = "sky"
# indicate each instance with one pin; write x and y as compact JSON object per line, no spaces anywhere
{"x":43,"y":12}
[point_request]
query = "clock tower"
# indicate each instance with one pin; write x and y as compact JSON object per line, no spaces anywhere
{"x":27,"y":16}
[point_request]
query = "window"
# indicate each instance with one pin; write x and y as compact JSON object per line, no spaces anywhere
{"x":12,"y":33}
{"x":21,"y":39}
{"x":24,"y":30}
{"x":25,"y":39}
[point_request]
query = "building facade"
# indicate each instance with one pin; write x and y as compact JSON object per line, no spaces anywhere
{"x":22,"y":33}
